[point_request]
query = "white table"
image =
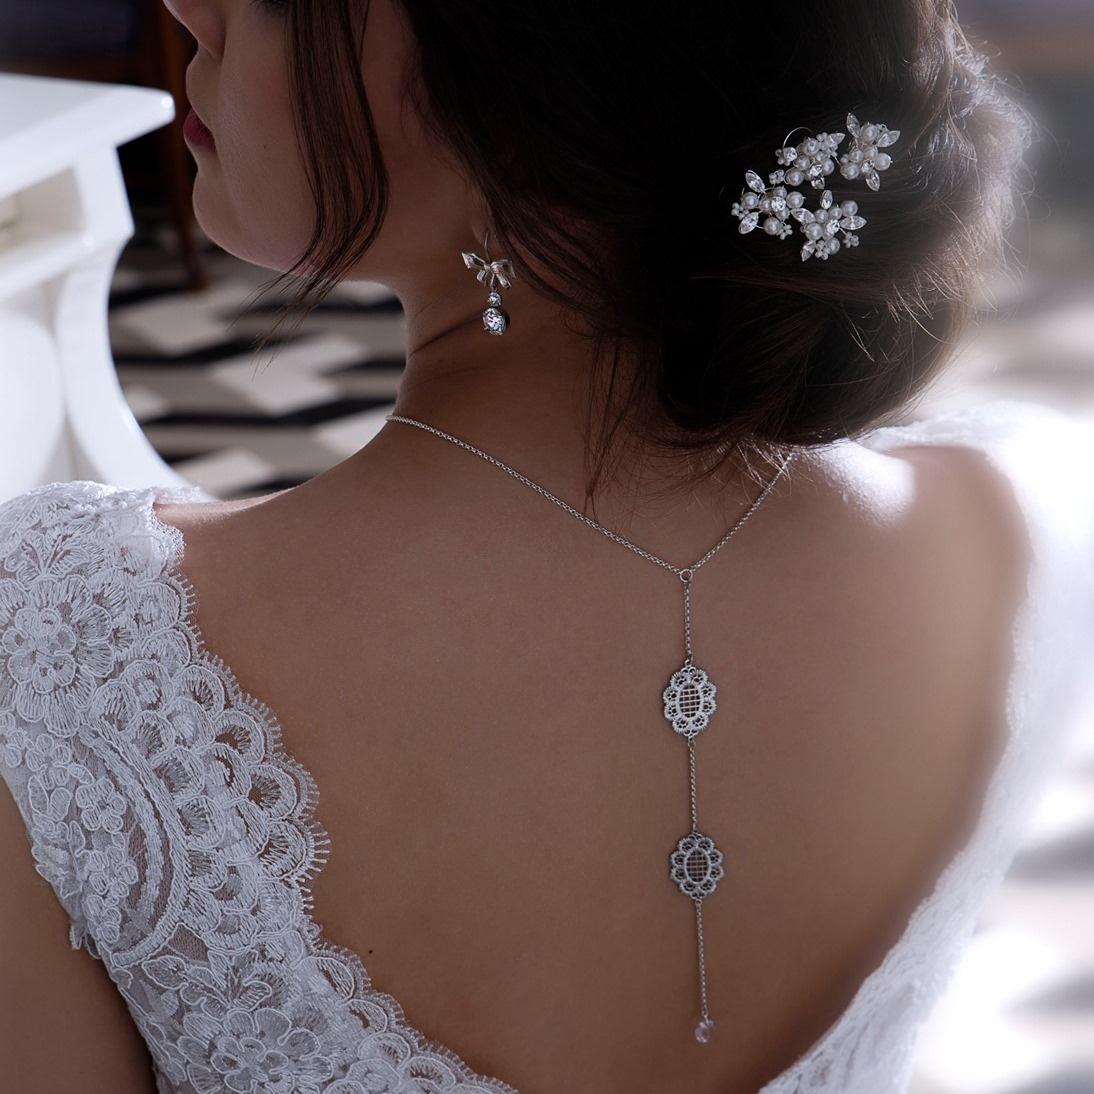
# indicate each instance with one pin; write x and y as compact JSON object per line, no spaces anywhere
{"x":64,"y":220}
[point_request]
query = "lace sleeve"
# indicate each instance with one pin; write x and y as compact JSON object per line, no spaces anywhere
{"x":65,"y":811}
{"x":55,"y":643}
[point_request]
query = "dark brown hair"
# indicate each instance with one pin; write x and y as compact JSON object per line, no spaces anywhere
{"x":637,"y":121}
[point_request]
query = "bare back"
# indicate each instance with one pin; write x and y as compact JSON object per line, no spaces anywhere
{"x":473,"y":677}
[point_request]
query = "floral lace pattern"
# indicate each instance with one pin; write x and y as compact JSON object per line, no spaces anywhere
{"x":176,"y":833}
{"x":180,"y":838}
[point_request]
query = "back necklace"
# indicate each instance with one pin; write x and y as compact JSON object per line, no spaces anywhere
{"x":695,"y":865}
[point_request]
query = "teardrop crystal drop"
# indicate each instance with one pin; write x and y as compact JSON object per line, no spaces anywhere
{"x":703,"y":1031}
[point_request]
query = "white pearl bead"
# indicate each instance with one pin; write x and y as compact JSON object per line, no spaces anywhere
{"x":795,"y":200}
{"x":802,"y":162}
{"x":850,"y":170}
{"x":882,"y":160}
{"x":850,"y":207}
{"x":750,"y":200}
{"x":833,"y":245}
{"x":794,"y":176}
{"x":813,"y":231}
{"x":772,"y":225}
{"x":868,"y":132}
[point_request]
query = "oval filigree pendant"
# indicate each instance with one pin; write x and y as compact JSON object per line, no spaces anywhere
{"x":696,"y":865}
{"x":689,"y":700}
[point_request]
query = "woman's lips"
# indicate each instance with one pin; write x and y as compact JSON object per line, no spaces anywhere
{"x":196,"y":131}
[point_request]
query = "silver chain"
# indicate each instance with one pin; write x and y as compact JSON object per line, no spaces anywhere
{"x":685,"y":573}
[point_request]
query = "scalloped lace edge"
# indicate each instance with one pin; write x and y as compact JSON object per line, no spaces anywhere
{"x":318,"y":841}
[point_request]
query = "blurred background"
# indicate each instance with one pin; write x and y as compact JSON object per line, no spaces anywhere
{"x":150,"y":331}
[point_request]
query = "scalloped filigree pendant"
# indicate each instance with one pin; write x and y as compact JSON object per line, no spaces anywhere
{"x":689,"y":700}
{"x":696,"y":865}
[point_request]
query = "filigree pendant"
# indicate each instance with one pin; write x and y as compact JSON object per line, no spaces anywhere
{"x":689,"y":700}
{"x":696,"y":865}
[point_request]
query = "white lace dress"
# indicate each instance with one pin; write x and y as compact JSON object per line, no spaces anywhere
{"x":180,"y":838}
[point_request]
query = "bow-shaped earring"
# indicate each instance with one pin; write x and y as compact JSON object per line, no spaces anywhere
{"x":499,"y":272}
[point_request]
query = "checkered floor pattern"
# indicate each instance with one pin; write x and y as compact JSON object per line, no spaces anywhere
{"x":1019,"y":1018}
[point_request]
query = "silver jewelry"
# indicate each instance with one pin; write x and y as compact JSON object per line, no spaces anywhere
{"x":498,"y":272}
{"x":814,"y":159}
{"x":695,"y":865}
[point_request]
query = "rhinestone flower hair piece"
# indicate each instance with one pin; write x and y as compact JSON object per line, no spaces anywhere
{"x":813,"y":160}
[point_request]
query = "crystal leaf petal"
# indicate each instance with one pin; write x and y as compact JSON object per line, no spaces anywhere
{"x":755,"y":182}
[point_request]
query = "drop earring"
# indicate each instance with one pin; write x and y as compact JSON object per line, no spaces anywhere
{"x":498,"y":272}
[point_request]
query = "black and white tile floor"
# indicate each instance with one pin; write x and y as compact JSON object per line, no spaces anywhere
{"x":1019,"y":1018}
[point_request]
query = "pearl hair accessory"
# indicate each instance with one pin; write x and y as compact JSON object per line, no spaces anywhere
{"x":812,"y":160}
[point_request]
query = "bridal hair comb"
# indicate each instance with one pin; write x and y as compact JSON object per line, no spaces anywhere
{"x":813,"y":160}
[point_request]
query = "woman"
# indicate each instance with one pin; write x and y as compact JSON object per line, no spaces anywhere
{"x":511,"y":715}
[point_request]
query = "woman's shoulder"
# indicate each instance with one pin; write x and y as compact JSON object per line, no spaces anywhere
{"x":1036,"y":455}
{"x":985,"y":577}
{"x":1001,"y":554}
{"x":993,"y":491}
{"x":1015,"y":476}
{"x":953,"y":638}
{"x":954,"y":599}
